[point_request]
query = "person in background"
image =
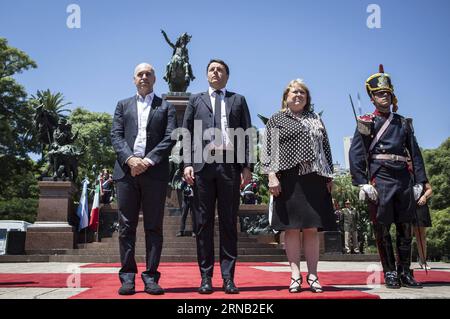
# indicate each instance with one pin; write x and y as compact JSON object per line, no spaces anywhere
{"x":350,"y":221}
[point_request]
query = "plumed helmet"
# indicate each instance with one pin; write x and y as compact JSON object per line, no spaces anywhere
{"x":381,"y":81}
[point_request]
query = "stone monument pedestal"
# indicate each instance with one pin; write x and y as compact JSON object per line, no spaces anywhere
{"x":51,"y":229}
{"x":180,"y":100}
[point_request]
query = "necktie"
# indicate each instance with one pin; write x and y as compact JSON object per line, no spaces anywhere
{"x":217,"y":110}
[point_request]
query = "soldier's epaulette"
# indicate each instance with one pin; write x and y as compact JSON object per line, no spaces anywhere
{"x":365,"y":123}
{"x":409,"y":123}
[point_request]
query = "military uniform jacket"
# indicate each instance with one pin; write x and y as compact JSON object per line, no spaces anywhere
{"x":398,"y":139}
{"x":350,"y":219}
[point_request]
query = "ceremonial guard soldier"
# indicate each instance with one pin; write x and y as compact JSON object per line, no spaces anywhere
{"x":378,"y":164}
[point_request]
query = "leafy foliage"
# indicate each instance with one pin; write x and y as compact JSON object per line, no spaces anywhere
{"x":19,"y":209}
{"x":438,"y":236}
{"x":94,"y":139}
{"x":15,"y":113}
{"x":437,"y":163}
{"x":17,"y":171}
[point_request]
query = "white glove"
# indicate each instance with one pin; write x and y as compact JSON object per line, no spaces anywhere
{"x":417,"y":189}
{"x":368,"y":190}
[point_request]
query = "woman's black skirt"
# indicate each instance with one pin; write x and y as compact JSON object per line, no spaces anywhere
{"x":304,"y":202}
{"x":423,"y":216}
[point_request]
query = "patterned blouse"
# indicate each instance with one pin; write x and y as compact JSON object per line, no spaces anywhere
{"x":293,"y":140}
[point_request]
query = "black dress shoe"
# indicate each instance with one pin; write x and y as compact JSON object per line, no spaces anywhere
{"x":127,"y":289}
{"x":407,"y":280}
{"x":151,"y":284}
{"x":153,"y":288}
{"x":206,"y":286}
{"x":391,"y":280}
{"x":229,"y":287}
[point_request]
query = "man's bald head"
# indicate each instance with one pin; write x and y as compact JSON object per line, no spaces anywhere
{"x":143,"y":66}
{"x":144,"y":78}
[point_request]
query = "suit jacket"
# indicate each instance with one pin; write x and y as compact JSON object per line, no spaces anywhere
{"x":200,"y":108}
{"x":161,"y":122}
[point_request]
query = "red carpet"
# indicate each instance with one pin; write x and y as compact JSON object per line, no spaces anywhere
{"x":181,"y":280}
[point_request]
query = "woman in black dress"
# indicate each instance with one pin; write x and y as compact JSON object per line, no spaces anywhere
{"x":420,"y":223}
{"x":297,"y":158}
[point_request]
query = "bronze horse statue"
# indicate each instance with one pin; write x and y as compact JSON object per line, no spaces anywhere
{"x":179,"y":71}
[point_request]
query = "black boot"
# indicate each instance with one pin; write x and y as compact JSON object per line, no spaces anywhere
{"x":386,"y":253}
{"x":404,"y":239}
{"x":407,"y":278}
{"x":391,"y":280}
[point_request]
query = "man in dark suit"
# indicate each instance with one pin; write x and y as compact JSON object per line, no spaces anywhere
{"x":141,"y":137}
{"x":213,"y":165}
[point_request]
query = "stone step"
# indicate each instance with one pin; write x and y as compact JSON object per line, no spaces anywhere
{"x":173,"y":251}
{"x":177,"y":239}
{"x":115,"y":245}
{"x":24,"y":258}
{"x":164,"y":258}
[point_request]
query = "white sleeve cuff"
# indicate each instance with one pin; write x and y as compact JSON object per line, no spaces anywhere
{"x":149,"y":161}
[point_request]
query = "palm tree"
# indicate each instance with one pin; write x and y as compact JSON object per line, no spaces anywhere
{"x":48,"y":109}
{"x":52,"y":103}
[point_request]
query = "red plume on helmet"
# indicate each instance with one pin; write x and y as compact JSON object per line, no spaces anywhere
{"x":381,"y":68}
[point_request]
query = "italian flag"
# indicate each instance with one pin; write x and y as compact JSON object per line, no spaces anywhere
{"x":93,"y":223}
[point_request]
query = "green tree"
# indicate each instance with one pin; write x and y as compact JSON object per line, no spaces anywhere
{"x":437,"y":163}
{"x":16,"y":168}
{"x":438,"y":236}
{"x":48,"y":107}
{"x":343,"y":190}
{"x":93,"y":139}
{"x":52,"y":102}
{"x":15,"y":112}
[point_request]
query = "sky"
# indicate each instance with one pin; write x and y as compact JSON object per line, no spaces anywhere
{"x":266,"y":44}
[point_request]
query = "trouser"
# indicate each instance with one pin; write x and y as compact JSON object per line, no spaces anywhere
{"x":353,"y":236}
{"x":386,"y":250}
{"x":134,"y":193}
{"x":186,"y":207}
{"x":216,"y":182}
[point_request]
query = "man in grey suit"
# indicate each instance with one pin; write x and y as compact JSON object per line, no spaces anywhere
{"x":218,"y":176}
{"x":141,"y":137}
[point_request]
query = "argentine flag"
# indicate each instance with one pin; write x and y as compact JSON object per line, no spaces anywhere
{"x":82,"y":211}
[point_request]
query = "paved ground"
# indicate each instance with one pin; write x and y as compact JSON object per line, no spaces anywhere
{"x":429,"y":291}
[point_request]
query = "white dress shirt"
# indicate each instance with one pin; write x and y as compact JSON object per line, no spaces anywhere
{"x":226,"y":142}
{"x":143,"y":110}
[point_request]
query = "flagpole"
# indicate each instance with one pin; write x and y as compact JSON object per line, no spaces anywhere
{"x":99,"y":181}
{"x":359,"y":105}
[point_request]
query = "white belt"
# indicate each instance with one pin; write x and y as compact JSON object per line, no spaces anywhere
{"x":390,"y":157}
